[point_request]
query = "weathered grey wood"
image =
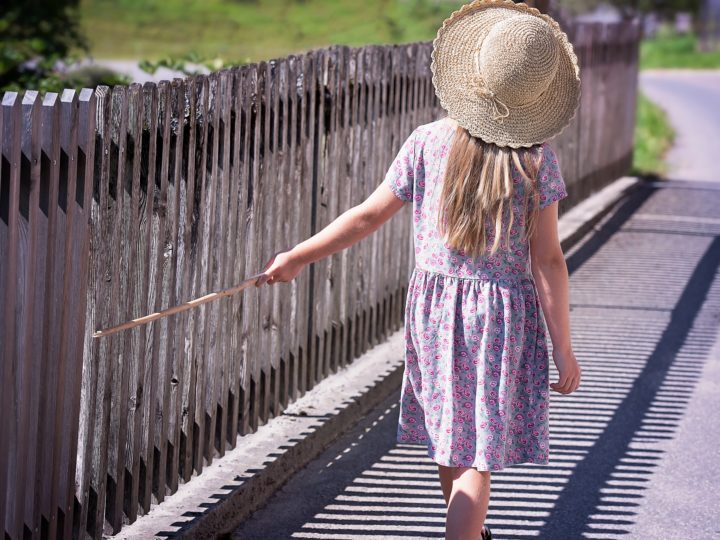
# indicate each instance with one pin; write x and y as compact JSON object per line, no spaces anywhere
{"x":177,"y":348}
{"x":344,"y":179}
{"x":398,"y":221}
{"x":374,"y":241}
{"x":265,"y":214}
{"x":97,"y":316}
{"x":49,"y":279}
{"x":350,"y":254}
{"x":361,"y":267}
{"x":60,"y":145}
{"x":109,"y":355}
{"x":189,"y":247}
{"x":586,"y":105}
{"x":133,"y":269}
{"x":339,"y":263}
{"x":278,"y":226}
{"x":336,"y":209}
{"x":310,"y":82}
{"x":225,"y":256}
{"x":167,"y":227}
{"x":322,"y":266}
{"x":251,"y":322}
{"x":387,"y":279}
{"x":143,"y":275}
{"x":163,"y":329}
{"x":11,"y":150}
{"x":233,"y":269}
{"x":31,"y":260}
{"x":215,"y":238}
{"x":5,"y":369}
{"x":241,"y":417}
{"x":286,"y":217}
{"x":210,"y":266}
{"x":294,"y":190}
{"x":335,"y":261}
{"x":304,"y":176}
{"x":322,"y":290}
{"x":273,"y":222}
{"x":231,"y":147}
{"x":206,"y":185}
{"x":77,"y":249}
{"x":386,"y":237}
{"x":243,"y":111}
{"x":112,"y":451}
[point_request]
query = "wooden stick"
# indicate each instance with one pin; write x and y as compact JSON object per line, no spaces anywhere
{"x":182,"y":307}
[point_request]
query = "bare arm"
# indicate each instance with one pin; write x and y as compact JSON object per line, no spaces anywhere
{"x":551,"y":277}
{"x":346,"y":230}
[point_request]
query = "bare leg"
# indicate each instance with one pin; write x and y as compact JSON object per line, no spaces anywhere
{"x":467,"y":502}
{"x":446,"y":481}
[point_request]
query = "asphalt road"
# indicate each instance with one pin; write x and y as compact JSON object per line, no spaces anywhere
{"x":692,"y":100}
{"x":635,"y":451}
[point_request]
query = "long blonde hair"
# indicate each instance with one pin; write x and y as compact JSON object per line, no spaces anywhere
{"x":478,"y":185}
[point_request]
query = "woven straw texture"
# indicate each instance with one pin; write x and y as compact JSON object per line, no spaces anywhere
{"x":506,"y":72}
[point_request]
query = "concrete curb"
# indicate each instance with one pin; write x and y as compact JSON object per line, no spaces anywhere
{"x":234,"y":486}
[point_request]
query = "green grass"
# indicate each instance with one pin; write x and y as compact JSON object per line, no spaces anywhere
{"x":653,"y":137}
{"x":670,"y":50}
{"x":252,"y":30}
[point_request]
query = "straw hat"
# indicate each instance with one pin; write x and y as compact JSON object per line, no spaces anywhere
{"x":506,"y":72}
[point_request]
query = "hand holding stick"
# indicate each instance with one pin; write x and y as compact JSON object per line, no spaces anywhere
{"x":182,"y":307}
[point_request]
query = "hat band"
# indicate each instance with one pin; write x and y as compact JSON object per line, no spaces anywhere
{"x":479,"y":84}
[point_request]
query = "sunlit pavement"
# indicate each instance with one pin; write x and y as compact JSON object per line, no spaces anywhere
{"x":634,"y":452}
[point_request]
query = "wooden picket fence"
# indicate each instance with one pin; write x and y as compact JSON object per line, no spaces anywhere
{"x":115,"y":203}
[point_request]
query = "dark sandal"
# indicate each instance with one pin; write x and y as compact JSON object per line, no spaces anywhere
{"x":486,"y":533}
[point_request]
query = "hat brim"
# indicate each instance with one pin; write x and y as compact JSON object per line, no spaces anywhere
{"x":452,"y":67}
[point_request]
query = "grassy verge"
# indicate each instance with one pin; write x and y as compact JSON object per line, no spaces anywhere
{"x":670,"y":50}
{"x":252,"y":30}
{"x":653,"y":137}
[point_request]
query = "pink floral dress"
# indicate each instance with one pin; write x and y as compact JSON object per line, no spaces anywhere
{"x":475,"y":387}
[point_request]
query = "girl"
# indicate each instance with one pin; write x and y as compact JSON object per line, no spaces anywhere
{"x":489,"y":271}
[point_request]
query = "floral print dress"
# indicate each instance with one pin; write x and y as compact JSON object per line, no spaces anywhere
{"x":475,"y":388}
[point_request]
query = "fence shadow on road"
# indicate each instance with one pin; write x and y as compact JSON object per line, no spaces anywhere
{"x":642,"y":355}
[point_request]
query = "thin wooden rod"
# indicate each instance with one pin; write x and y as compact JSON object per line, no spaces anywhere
{"x":177,"y":309}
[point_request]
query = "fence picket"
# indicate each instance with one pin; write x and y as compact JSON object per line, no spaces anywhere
{"x":52,"y":198}
{"x":180,"y":286}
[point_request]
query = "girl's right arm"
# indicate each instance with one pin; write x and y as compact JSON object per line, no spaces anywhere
{"x":551,"y":277}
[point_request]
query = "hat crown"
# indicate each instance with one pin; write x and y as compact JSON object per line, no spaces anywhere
{"x":518,"y":59}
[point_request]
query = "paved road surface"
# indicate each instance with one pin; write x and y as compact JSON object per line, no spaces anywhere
{"x":692,"y":100}
{"x":634,"y":452}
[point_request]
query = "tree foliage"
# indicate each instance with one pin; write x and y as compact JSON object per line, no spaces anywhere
{"x":630,"y":8}
{"x":36,"y":40}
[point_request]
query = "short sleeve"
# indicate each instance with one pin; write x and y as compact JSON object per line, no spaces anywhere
{"x":551,"y":184}
{"x":400,"y":177}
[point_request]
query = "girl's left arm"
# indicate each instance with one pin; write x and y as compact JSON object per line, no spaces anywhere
{"x":347,"y":229}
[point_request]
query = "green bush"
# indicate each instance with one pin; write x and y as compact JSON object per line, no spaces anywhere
{"x":669,"y":49}
{"x":36,"y":37}
{"x":653,"y":137}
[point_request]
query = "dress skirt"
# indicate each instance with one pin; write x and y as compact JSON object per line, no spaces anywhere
{"x":475,"y":388}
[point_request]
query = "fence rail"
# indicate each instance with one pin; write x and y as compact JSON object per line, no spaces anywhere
{"x":115,"y":203}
